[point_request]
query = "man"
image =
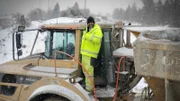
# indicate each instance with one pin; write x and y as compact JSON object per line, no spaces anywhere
{"x":90,"y":46}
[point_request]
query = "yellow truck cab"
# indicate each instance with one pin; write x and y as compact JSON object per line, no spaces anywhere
{"x":47,"y":76}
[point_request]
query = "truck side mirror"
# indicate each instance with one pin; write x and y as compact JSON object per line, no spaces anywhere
{"x":18,"y":41}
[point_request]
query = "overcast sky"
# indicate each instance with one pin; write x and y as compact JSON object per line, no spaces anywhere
{"x":95,"y":6}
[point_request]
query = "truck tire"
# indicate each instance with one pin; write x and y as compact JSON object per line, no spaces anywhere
{"x":56,"y":99}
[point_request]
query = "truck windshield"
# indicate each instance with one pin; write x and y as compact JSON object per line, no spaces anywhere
{"x":59,"y":40}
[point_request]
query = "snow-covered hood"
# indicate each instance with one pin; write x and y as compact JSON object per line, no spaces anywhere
{"x":30,"y":70}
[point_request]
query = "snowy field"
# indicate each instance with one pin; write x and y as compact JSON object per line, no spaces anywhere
{"x":28,"y":37}
{"x":5,"y":44}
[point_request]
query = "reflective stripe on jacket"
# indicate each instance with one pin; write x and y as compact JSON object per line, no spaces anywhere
{"x":91,"y":42}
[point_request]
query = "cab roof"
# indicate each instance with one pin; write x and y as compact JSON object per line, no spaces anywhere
{"x":72,"y":26}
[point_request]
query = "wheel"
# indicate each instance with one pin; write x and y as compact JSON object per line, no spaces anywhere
{"x":56,"y":99}
{"x":147,"y":94}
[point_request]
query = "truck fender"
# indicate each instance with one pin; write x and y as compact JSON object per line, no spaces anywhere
{"x":57,"y":90}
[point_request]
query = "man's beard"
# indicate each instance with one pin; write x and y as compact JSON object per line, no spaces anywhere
{"x":90,"y":27}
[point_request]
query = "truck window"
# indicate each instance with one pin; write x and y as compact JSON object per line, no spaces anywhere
{"x":62,"y":41}
{"x":47,"y":44}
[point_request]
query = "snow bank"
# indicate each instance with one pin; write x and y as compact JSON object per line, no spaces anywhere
{"x":28,"y":38}
{"x":6,"y":44}
{"x":123,"y":51}
{"x":75,"y":20}
{"x":140,"y":86}
{"x":64,"y":20}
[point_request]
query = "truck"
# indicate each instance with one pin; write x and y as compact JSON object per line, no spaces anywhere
{"x":157,"y":58}
{"x":56,"y":73}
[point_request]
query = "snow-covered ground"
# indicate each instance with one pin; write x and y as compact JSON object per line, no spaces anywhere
{"x":6,"y":44}
{"x":28,"y":38}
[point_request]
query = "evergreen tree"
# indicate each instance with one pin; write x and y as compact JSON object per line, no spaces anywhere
{"x":128,"y":13}
{"x":85,"y":12}
{"x":116,"y":13}
{"x":134,"y":13}
{"x":166,"y":13}
{"x":56,"y":11}
{"x":158,"y":13}
{"x":66,"y":13}
{"x":148,"y":11}
{"x":49,"y":14}
{"x":36,"y":14}
{"x":122,"y":14}
{"x":75,"y":10}
{"x":175,"y":12}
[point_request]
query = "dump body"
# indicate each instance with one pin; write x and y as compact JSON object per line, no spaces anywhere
{"x":157,"y":58}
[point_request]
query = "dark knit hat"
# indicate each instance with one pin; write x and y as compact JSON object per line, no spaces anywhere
{"x":90,"y":19}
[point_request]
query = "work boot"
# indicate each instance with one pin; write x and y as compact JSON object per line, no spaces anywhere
{"x":89,"y":92}
{"x":93,"y":98}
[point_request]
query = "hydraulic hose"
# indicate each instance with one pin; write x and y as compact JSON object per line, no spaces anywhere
{"x":117,"y":79}
{"x":92,"y":82}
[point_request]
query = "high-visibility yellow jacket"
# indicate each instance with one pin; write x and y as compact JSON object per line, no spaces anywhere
{"x":91,"y":41}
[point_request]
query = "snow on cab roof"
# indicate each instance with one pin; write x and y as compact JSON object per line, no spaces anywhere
{"x":72,"y":26}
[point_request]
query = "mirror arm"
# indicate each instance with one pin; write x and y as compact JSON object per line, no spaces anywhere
{"x":34,"y":43}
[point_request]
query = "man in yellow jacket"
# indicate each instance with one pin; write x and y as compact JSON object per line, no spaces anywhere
{"x":90,"y":46}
